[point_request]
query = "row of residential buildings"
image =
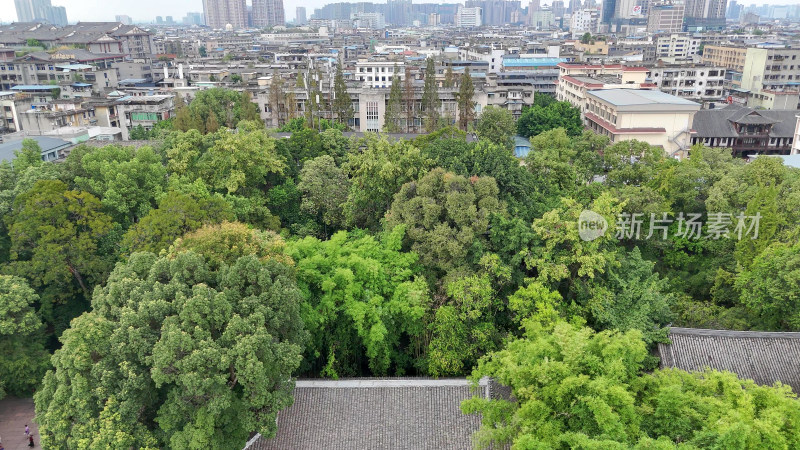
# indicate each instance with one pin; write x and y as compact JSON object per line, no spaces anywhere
{"x":660,"y":87}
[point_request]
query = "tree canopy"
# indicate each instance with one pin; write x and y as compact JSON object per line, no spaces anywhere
{"x":176,"y":354}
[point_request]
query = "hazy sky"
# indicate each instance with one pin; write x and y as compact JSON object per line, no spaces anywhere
{"x":147,"y":10}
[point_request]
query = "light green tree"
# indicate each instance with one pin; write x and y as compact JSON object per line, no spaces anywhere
{"x":128,"y":181}
{"x":364,"y":303}
{"x":497,"y":126}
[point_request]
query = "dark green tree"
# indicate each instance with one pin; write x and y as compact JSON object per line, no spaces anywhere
{"x":175,"y":354}
{"x":466,"y":103}
{"x":430,"y":98}
{"x":342,"y":103}
{"x":55,"y":242}
{"x":446,"y":218}
{"x":24,"y":359}
{"x":393,"y":116}
{"x":538,"y":119}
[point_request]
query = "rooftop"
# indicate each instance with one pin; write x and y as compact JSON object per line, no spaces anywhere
{"x":532,"y":62}
{"x":764,"y":357}
{"x":631,"y":97}
{"x":396,"y":413}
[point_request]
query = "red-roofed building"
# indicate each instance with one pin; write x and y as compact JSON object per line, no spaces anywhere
{"x":575,"y":79}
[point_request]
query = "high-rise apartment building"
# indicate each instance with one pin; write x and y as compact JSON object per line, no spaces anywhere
{"x":495,"y":12}
{"x":24,"y":10}
{"x":666,"y":17}
{"x":40,"y":11}
{"x":469,"y":17}
{"x":220,"y":13}
{"x":268,"y":13}
{"x":584,"y":21}
{"x":300,"y":16}
{"x":398,"y":12}
{"x":124,"y":19}
{"x":734,"y":10}
{"x":702,"y":15}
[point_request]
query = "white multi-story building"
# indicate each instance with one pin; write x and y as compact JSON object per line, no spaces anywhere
{"x":469,"y":17}
{"x":378,"y":73}
{"x":692,"y":82}
{"x":677,"y":46}
{"x":575,"y":80}
{"x":647,"y":115}
{"x":584,"y":21}
{"x":492,"y":56}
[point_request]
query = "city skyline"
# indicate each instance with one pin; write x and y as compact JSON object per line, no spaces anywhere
{"x":145,"y":11}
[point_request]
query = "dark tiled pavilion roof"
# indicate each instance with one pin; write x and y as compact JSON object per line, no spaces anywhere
{"x":764,"y":357}
{"x":369,"y":413}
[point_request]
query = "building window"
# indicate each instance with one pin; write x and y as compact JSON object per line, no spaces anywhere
{"x":372,"y":116}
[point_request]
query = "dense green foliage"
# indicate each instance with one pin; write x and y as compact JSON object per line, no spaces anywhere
{"x":395,"y":258}
{"x":577,"y":388}
{"x":176,"y":353}
{"x":497,"y":126}
{"x":538,"y":119}
{"x":24,"y":358}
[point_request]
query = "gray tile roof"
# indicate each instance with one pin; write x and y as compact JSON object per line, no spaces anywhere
{"x":415,"y":413}
{"x":719,"y":122}
{"x":764,"y":357}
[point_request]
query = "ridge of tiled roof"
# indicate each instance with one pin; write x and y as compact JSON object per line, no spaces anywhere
{"x":764,"y":357}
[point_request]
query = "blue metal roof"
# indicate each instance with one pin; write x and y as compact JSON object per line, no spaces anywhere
{"x":81,"y":84}
{"x":33,"y":87}
{"x":532,"y":62}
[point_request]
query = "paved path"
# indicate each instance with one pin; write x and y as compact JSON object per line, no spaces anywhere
{"x":14,"y":414}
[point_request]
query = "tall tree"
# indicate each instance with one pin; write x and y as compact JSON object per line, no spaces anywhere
{"x":430,"y":98}
{"x":176,"y":354}
{"x":449,"y":77}
{"x":342,"y":103}
{"x":291,"y":106}
{"x":364,"y":303}
{"x":376,"y":174}
{"x":446,"y":218}
{"x":55,"y":240}
{"x":409,"y":101}
{"x":393,"y":113}
{"x":324,"y":187}
{"x":276,"y":98}
{"x":538,"y":119}
{"x":24,"y":359}
{"x":466,"y":104}
{"x":497,"y":126}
